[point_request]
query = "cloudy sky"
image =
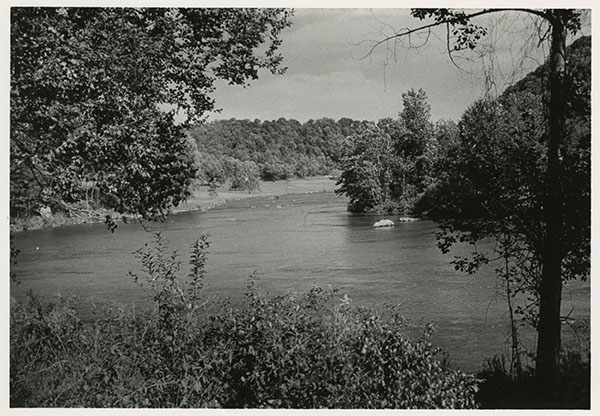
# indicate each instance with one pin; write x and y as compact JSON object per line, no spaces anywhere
{"x":326,"y":76}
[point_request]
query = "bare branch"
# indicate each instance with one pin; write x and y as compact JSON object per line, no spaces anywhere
{"x":449,"y":21}
{"x":449,"y":49}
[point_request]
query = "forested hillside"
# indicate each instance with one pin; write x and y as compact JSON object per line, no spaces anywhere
{"x":579,"y":60}
{"x":233,"y":150}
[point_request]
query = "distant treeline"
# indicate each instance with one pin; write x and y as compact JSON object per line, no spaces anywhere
{"x":240,"y":151}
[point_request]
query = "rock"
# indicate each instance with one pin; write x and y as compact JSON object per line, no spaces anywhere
{"x":45,"y":212}
{"x":384,"y":223}
{"x":407,"y":219}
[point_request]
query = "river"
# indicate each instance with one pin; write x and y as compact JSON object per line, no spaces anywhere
{"x":293,"y":242}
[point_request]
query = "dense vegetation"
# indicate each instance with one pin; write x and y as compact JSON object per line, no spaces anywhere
{"x":94,"y":92}
{"x":553,"y":26}
{"x":401,"y":164}
{"x":494,"y":185}
{"x":493,"y":178}
{"x":387,"y":165}
{"x":271,"y":150}
{"x":308,"y":350}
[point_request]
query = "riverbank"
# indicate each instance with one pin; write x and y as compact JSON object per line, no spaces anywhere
{"x":199,"y":200}
{"x":202,"y":200}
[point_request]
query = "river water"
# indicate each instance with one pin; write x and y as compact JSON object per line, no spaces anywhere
{"x":293,"y":243}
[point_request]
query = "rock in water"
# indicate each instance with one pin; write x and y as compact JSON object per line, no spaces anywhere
{"x":407,"y":219}
{"x":384,"y":223}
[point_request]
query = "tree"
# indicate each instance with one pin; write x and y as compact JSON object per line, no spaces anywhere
{"x":367,"y":170}
{"x":414,"y":146}
{"x":446,"y":138}
{"x":493,"y":187}
{"x":404,"y":169}
{"x":95,"y":92}
{"x":280,"y":148}
{"x":241,"y":175}
{"x":465,"y":35}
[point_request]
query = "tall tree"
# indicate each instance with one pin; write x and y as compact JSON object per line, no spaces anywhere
{"x":465,"y":35}
{"x":415,"y":146}
{"x":95,"y":91}
{"x":367,"y":170}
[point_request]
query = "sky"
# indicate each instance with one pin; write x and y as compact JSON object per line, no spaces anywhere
{"x":328,"y":76}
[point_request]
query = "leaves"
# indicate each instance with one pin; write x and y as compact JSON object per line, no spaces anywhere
{"x":95,"y":91}
{"x":279,"y":148}
{"x":494,"y":184}
{"x":386,"y":166}
{"x":299,"y":350}
{"x":367,"y":169}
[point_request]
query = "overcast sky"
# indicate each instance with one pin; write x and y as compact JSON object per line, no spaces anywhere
{"x":326,"y":76}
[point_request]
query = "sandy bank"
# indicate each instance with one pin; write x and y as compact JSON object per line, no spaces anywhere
{"x":201,"y":200}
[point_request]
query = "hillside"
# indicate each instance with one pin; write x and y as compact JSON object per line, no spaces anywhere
{"x":579,"y":60}
{"x":274,"y":149}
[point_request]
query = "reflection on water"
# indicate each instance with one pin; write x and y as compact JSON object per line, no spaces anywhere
{"x":293,"y":243}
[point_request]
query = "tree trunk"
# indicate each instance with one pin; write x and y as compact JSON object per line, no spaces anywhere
{"x":548,"y":348}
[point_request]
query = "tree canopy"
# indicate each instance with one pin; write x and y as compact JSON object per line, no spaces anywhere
{"x":95,"y":91}
{"x":278,"y":148}
{"x":386,"y":166}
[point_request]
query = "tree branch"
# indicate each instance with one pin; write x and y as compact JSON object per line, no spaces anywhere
{"x":451,"y":21}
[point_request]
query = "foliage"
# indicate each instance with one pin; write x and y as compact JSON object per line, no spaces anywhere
{"x":415,"y":146}
{"x":463,"y":34}
{"x":494,"y":183}
{"x":305,"y":350}
{"x":494,"y":186}
{"x":276,"y":171}
{"x":446,"y":138}
{"x":367,"y":170}
{"x":553,"y":25}
{"x":280,"y":148}
{"x":94,"y":92}
{"x":387,"y":166}
{"x":243,"y":175}
{"x":161,"y":270}
{"x":501,"y":390}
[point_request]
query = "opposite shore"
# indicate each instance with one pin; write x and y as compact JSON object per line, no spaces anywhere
{"x":199,"y":200}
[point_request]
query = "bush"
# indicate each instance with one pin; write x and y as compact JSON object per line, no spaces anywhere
{"x":274,"y":172}
{"x":309,"y":350}
{"x":501,"y":391}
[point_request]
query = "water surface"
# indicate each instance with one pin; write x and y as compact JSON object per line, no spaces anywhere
{"x":293,"y":243}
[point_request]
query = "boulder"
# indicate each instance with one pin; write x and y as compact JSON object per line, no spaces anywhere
{"x":384,"y":223}
{"x":45,"y":212}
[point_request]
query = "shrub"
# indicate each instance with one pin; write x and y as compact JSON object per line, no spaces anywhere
{"x":274,"y":172}
{"x":309,"y":350}
{"x":499,"y":390}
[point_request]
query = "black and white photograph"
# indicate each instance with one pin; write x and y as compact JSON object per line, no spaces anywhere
{"x":298,"y":206}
